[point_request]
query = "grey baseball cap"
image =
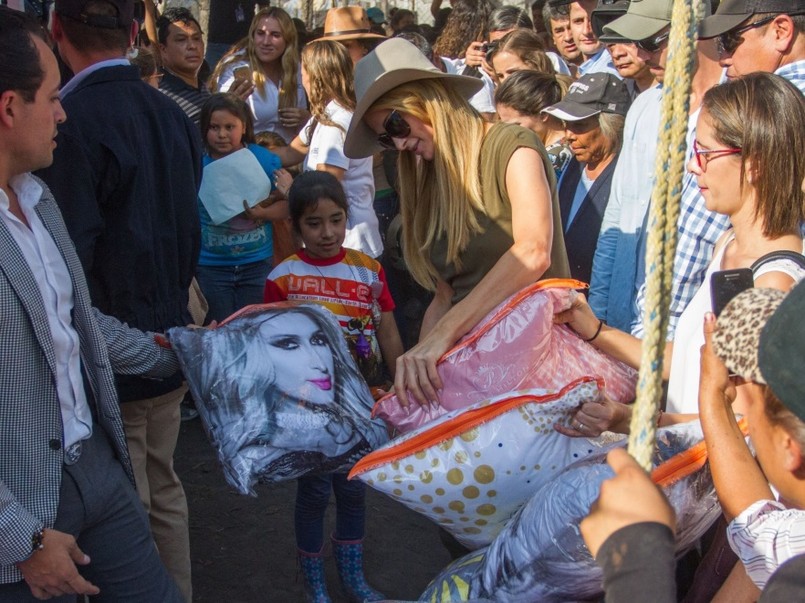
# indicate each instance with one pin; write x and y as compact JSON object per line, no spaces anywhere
{"x":644,"y":19}
{"x":731,"y":13}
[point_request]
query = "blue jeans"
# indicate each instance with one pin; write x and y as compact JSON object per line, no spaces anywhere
{"x":99,"y":506}
{"x":230,"y":288}
{"x":312,"y":496}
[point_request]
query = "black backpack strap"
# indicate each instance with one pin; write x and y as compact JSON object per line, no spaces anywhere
{"x":774,"y":256}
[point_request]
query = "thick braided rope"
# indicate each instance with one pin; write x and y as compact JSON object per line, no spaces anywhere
{"x":663,"y":216}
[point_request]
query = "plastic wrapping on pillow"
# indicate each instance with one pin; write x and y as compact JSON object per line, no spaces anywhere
{"x":541,"y":557}
{"x":472,"y":469}
{"x":515,"y":347}
{"x":279,"y":393}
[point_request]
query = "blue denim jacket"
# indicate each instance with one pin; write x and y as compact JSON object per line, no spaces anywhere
{"x":615,"y":265}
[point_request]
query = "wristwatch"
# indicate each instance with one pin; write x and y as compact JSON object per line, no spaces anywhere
{"x":38,"y":540}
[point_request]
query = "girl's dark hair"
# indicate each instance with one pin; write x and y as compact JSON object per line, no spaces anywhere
{"x":529,"y":92}
{"x":225,"y":101}
{"x":398,"y":16}
{"x":306,"y":191}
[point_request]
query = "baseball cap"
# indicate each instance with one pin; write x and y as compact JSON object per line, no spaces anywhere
{"x":644,"y":19}
{"x":590,"y":95}
{"x":74,"y":9}
{"x":731,"y":13}
{"x":375,"y":15}
{"x":781,"y":353}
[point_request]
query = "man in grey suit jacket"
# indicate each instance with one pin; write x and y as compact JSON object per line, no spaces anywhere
{"x":70,"y":519}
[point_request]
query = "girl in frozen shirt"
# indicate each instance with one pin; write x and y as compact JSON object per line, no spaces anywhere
{"x":235,"y":255}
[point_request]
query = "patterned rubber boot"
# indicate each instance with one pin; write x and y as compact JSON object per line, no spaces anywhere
{"x":312,"y":565}
{"x":349,"y":561}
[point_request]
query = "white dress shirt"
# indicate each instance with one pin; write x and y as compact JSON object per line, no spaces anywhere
{"x":51,"y":275}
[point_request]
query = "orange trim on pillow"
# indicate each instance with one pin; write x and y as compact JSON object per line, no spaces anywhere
{"x":457,"y":425}
{"x":686,"y":462}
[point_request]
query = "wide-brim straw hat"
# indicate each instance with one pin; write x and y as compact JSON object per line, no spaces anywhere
{"x":393,"y":63}
{"x":347,"y":23}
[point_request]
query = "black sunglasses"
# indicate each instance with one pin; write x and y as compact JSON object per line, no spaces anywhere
{"x":654,"y":43}
{"x":729,"y":42}
{"x":395,"y":126}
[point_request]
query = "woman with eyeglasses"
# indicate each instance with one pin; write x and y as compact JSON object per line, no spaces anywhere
{"x":743,"y":127}
{"x":480,"y":215}
{"x":327,"y":75}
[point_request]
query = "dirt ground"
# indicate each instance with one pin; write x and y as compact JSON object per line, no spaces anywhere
{"x":243,"y":548}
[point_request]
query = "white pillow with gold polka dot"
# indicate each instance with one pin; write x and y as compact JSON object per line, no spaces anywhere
{"x":473,"y":468}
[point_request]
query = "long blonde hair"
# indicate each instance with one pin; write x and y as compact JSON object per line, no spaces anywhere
{"x":289,"y":61}
{"x":330,"y":75}
{"x":439,"y":197}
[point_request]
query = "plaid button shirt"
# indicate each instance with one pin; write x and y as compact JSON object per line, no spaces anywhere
{"x":794,"y":73}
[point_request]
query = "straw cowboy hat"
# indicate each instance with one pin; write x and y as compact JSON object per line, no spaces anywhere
{"x":347,"y":23}
{"x":393,"y":63}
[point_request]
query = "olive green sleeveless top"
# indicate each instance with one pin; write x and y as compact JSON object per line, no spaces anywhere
{"x":495,"y":238}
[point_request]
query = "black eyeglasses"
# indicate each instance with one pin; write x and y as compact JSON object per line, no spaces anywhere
{"x":729,"y":42}
{"x":395,"y":126}
{"x":654,"y":43}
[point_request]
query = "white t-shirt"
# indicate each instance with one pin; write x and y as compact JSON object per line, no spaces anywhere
{"x":558,"y":63}
{"x":264,"y":104}
{"x":327,"y":146}
{"x":484,"y":99}
{"x":683,"y":386}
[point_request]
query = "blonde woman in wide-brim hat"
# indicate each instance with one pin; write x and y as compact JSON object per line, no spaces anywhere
{"x":350,"y":25}
{"x":478,"y":201}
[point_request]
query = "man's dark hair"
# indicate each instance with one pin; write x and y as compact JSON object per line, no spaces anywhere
{"x":176,"y":14}
{"x":20,"y":63}
{"x":551,"y":12}
{"x":89,"y":38}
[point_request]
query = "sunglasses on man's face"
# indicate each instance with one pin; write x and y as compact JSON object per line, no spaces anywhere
{"x":654,"y":43}
{"x":729,"y":42}
{"x":395,"y":126}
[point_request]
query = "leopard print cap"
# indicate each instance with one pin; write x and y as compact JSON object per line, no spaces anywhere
{"x":738,"y":337}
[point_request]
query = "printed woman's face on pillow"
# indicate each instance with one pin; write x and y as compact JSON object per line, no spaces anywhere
{"x":302,"y":358}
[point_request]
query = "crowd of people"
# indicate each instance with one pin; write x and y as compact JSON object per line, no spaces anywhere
{"x":409,"y":178}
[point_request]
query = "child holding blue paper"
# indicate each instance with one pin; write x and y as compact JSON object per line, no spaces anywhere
{"x":236,"y":255}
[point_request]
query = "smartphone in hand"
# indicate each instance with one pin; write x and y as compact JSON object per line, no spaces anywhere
{"x":242,"y":74}
{"x":726,"y":284}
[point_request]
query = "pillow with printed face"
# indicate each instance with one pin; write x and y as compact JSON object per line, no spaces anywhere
{"x":279,"y":393}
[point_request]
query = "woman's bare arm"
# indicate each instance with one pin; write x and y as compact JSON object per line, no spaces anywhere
{"x":522,"y":264}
